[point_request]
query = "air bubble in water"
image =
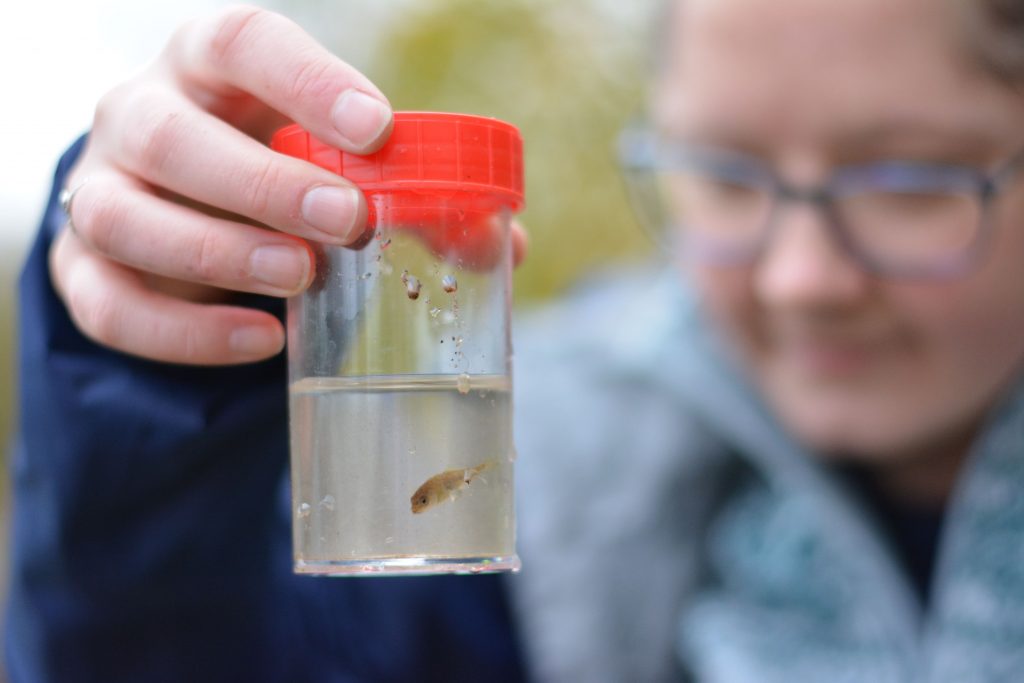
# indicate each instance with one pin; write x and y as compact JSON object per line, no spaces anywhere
{"x":463,"y":383}
{"x":412,"y":285}
{"x":449,"y":283}
{"x":303,"y":511}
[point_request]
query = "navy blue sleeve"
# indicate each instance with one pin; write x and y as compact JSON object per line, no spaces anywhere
{"x":151,"y":537}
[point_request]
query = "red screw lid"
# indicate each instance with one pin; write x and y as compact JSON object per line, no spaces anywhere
{"x":427,"y":152}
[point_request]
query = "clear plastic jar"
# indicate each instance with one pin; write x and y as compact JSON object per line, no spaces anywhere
{"x":400,"y":361}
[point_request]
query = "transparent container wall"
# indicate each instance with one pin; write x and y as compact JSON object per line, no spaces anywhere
{"x":400,"y":395}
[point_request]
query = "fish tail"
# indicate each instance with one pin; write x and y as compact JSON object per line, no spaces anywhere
{"x":474,"y":472}
{"x":484,"y":466}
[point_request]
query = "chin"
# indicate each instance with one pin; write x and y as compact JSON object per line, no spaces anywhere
{"x":852,"y":430}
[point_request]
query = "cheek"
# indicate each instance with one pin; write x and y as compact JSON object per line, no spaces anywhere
{"x":971,"y":333}
{"x":973,"y":329}
{"x":977,"y":323}
{"x":969,"y":345}
{"x":971,"y":340}
{"x":727,"y":298}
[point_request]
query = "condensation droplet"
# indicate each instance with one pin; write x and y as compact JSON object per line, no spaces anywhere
{"x":463,"y":383}
{"x":303,"y":510}
{"x":449,"y":283}
{"x":327,"y":503}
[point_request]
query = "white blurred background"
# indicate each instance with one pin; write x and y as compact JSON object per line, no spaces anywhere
{"x":58,"y":58}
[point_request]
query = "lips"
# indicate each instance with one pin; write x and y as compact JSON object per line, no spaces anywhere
{"x":830,"y":358}
{"x":833,"y":355}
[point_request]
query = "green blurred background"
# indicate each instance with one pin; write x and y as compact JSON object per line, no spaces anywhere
{"x":569,"y":73}
{"x":569,"y":77}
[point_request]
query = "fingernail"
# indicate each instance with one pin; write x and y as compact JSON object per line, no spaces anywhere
{"x":282,"y":267}
{"x":360,"y":118}
{"x":332,"y":210}
{"x":255,"y":340}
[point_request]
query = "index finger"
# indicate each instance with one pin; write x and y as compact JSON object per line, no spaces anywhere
{"x":272,"y":58}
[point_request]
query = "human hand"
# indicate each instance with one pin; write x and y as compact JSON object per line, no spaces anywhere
{"x":178,"y":202}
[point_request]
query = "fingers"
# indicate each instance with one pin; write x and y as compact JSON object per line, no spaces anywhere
{"x":259,"y":52}
{"x":119,"y":219}
{"x":110,"y":304}
{"x":157,"y":135}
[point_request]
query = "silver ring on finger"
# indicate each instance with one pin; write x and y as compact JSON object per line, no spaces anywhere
{"x":66,"y":197}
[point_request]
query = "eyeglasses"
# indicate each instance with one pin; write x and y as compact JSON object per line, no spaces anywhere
{"x":895,"y":218}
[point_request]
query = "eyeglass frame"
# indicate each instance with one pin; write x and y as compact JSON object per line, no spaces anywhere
{"x":641,"y":149}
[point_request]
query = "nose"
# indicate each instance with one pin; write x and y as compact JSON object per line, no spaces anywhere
{"x":804,"y":266}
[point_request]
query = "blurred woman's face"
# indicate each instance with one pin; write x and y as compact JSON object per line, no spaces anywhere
{"x":853,"y":363}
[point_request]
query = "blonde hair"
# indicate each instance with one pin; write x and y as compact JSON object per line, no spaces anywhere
{"x":994,"y":30}
{"x":993,"y":33}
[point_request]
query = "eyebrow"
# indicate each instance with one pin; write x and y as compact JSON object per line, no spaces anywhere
{"x":895,"y":137}
{"x":935,"y":140}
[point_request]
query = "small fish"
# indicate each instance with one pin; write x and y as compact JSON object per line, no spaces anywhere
{"x":445,"y":486}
